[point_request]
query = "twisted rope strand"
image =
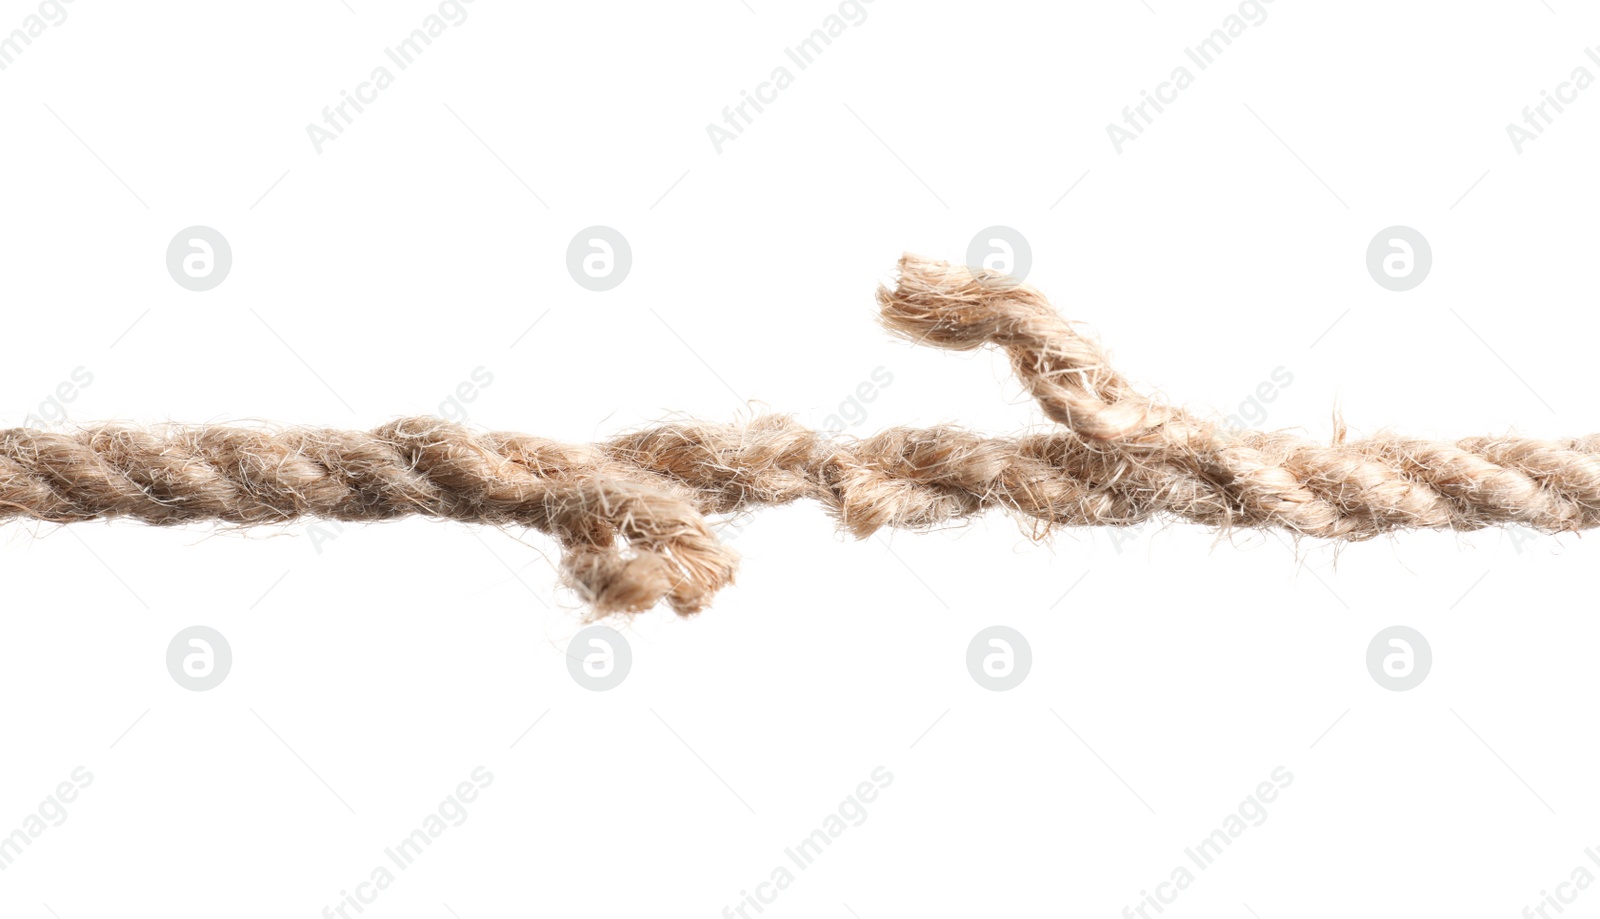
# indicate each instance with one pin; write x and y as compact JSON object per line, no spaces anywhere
{"x":630,"y":514}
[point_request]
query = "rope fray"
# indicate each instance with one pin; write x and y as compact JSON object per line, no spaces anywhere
{"x":630,"y":514}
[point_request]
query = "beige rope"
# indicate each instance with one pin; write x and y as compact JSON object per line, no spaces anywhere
{"x":631,"y":513}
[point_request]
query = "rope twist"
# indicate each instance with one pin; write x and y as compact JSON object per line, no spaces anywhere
{"x":631,"y":514}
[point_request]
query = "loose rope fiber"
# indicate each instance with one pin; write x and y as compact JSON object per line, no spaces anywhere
{"x":631,"y":513}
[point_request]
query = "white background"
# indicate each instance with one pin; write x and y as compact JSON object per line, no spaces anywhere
{"x":374,"y":670}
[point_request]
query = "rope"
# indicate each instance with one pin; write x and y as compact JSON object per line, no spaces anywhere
{"x":630,"y":514}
